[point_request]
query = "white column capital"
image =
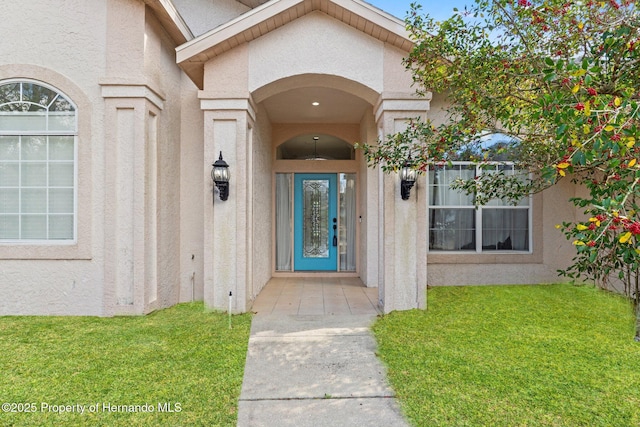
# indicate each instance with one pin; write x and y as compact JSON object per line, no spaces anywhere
{"x":118,"y":88}
{"x":401,"y":105}
{"x":210,"y":102}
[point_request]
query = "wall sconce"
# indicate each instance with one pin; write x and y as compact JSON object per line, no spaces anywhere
{"x":407,"y":179}
{"x":220,"y":176}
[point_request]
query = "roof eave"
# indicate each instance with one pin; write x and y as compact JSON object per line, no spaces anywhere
{"x":171,"y":20}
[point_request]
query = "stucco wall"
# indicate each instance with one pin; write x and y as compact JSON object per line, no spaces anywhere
{"x":262,"y":201}
{"x":437,"y":111}
{"x":62,"y":44}
{"x":227,"y":75}
{"x":368,"y":200}
{"x":558,"y":251}
{"x":308,"y":44}
{"x":396,"y":77}
{"x":204,"y":15}
{"x":50,"y":33}
{"x":161,"y":70}
{"x":143,"y":100}
{"x":192,"y":187}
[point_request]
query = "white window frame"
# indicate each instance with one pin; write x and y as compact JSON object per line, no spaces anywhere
{"x":48,"y":133}
{"x":479,"y":216}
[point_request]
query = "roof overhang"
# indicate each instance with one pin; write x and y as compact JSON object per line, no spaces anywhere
{"x":171,"y":20}
{"x":192,"y":55}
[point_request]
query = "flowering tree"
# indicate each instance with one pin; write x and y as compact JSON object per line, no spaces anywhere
{"x":563,"y":79}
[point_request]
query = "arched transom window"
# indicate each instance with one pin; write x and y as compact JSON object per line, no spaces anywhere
{"x":38,"y":184}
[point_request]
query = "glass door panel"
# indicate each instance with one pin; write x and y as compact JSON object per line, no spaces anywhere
{"x":316,"y":222}
{"x":347,"y":229}
{"x":284,"y":222}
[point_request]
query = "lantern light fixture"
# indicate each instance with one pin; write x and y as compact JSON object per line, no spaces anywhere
{"x":407,"y":179}
{"x":220,"y":177}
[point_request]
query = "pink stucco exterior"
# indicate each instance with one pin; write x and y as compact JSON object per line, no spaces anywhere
{"x":162,"y":87}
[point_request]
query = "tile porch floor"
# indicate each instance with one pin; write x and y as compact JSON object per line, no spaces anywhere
{"x":316,"y":296}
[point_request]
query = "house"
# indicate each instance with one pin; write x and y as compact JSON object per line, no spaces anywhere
{"x":112,"y":113}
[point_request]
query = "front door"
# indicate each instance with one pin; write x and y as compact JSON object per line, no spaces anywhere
{"x":315,"y":222}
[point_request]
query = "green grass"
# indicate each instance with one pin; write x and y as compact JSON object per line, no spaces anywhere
{"x":556,"y":355}
{"x":184,"y":357}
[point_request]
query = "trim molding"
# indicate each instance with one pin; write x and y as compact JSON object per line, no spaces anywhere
{"x":123,"y":90}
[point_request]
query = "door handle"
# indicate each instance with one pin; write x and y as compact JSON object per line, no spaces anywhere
{"x":335,"y":235}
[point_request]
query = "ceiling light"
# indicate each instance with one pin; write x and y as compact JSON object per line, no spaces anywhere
{"x":315,"y":103}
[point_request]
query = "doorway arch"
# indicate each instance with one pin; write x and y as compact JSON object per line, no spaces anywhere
{"x":315,"y":120}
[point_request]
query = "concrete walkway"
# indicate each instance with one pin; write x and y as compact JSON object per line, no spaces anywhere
{"x":311,"y":358}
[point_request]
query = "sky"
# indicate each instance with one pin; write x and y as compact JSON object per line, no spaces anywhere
{"x":438,"y":9}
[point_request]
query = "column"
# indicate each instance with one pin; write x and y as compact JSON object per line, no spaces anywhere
{"x":403,"y":223}
{"x":131,"y":198}
{"x":228,"y":124}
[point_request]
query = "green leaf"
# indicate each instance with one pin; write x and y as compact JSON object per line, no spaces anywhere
{"x":579,"y":158}
{"x":561,"y":130}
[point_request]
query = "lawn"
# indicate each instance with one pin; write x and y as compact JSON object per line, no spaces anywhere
{"x":176,"y":367}
{"x":557,"y":355}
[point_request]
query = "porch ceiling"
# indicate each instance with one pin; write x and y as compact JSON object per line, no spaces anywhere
{"x":271,"y":15}
{"x":295,"y":106}
{"x":335,"y":107}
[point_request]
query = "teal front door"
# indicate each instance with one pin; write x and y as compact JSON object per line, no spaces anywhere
{"x":315,"y":222}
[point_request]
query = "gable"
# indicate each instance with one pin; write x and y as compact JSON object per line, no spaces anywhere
{"x":264,"y":19}
{"x":316,"y":43}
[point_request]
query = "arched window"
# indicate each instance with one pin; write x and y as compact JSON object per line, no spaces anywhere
{"x":38,"y":179}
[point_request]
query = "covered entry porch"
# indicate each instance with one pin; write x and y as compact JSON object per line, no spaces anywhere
{"x":276,"y":109}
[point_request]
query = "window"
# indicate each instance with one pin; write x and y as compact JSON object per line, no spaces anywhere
{"x":38,"y":131}
{"x":456,"y":224}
